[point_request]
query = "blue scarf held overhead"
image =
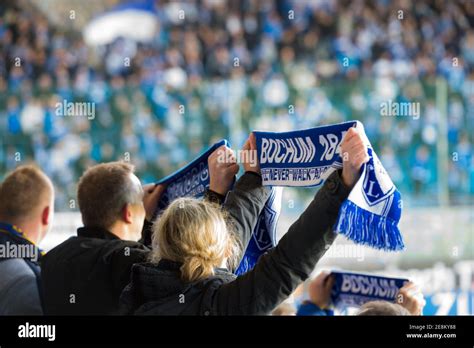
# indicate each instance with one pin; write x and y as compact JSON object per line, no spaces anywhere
{"x":193,"y":181}
{"x":355,"y":289}
{"x":370,"y":214}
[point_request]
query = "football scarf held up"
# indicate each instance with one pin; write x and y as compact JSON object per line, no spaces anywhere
{"x":193,"y":181}
{"x":355,"y":289}
{"x":308,"y":157}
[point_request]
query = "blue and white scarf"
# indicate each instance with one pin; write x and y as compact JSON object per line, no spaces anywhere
{"x":308,"y":157}
{"x":355,"y":289}
{"x":193,"y":181}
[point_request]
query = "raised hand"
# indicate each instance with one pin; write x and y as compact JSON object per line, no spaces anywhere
{"x":249,"y":158}
{"x":354,"y":155}
{"x":411,"y":297}
{"x":320,"y":290}
{"x":151,"y":197}
{"x":222,"y":169}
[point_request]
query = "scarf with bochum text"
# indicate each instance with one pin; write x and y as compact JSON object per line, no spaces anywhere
{"x":370,"y":214}
{"x":307,"y":157}
{"x":354,"y":289}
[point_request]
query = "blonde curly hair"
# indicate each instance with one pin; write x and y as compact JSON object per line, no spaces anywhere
{"x":197,"y":234}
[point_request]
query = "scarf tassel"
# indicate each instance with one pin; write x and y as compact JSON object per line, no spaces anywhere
{"x":366,"y":228}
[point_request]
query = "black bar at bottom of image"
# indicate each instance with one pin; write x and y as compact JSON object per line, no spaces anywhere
{"x":424,"y":330}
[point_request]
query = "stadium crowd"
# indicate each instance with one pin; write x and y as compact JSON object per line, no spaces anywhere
{"x":238,"y":66}
{"x":125,"y":261}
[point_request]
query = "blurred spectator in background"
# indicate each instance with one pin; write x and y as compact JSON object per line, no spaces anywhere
{"x":409,"y":300}
{"x":230,"y":67}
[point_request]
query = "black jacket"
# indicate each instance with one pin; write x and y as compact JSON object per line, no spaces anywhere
{"x":158,"y":289}
{"x":86,"y":274}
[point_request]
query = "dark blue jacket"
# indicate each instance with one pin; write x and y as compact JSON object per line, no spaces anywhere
{"x":310,"y":309}
{"x":20,"y":290}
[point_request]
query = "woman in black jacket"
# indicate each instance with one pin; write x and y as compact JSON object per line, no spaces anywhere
{"x":192,"y":248}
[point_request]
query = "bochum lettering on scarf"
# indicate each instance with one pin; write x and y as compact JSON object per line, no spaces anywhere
{"x":296,"y":150}
{"x":307,"y":157}
{"x":355,"y":289}
{"x":370,"y":286}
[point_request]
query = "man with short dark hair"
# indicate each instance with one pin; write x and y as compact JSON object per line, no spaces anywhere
{"x":110,"y":196}
{"x":85,"y":274}
{"x":26,"y":215}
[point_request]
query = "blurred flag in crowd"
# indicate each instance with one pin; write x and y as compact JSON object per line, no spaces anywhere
{"x":134,"y":20}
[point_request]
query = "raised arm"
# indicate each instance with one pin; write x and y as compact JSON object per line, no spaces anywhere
{"x":246,"y":200}
{"x":278,"y":272}
{"x":244,"y":205}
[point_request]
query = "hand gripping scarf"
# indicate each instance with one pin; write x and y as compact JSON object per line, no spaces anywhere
{"x":308,"y":157}
{"x":193,"y":180}
{"x":355,"y":289}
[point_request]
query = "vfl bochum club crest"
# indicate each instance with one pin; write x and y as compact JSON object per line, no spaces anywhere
{"x":370,"y":214}
{"x":307,"y":157}
{"x":376,"y":186}
{"x":264,"y":236}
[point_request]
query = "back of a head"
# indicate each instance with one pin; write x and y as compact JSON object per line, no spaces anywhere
{"x":284,"y":308}
{"x":382,"y":308}
{"x":193,"y":232}
{"x":23,"y":193}
{"x":104,"y":190}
